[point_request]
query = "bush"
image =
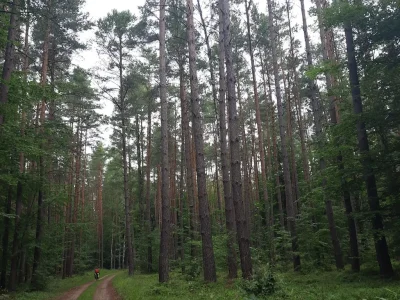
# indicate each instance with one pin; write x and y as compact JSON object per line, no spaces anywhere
{"x":192,"y":269}
{"x":262,"y":284}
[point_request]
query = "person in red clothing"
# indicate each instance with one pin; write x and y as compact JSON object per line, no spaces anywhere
{"x":96,"y":273}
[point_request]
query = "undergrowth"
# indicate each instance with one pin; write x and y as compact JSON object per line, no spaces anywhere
{"x":334,"y":285}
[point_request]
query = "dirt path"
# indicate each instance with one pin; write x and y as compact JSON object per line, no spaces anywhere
{"x":105,"y":290}
{"x":74,"y":293}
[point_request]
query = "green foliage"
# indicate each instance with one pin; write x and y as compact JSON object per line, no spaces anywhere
{"x":192,"y":269}
{"x":262,"y":284}
{"x":276,"y":286}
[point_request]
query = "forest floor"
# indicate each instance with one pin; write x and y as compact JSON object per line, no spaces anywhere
{"x":318,"y":285}
{"x":331,"y":285}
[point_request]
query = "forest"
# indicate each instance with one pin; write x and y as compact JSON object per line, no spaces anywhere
{"x":228,"y":148}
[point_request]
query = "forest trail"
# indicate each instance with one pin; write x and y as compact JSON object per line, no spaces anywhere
{"x":105,"y":291}
{"x":74,"y":293}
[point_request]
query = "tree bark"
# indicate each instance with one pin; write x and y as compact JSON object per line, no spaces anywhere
{"x":148,"y":203}
{"x":226,"y":180}
{"x":243,"y":233}
{"x":8,"y":66}
{"x":188,"y":160}
{"x":19,"y":200}
{"x":163,"y":274}
{"x":124,"y":125}
{"x":204,"y":211}
{"x":40,"y":212}
{"x":5,"y":240}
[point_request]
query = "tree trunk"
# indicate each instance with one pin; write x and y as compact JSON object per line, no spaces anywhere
{"x":204,"y":211}
{"x":5,"y":241}
{"x":40,"y":213}
{"x":282,"y":131}
{"x":124,"y":125}
{"x":188,"y":161}
{"x":180,"y":218}
{"x":243,"y":233}
{"x":148,"y":204}
{"x":19,"y":200}
{"x":381,"y":247}
{"x":295,"y":183}
{"x":77,"y":184}
{"x":165,"y":224}
{"x":258,"y":118}
{"x":8,"y":66}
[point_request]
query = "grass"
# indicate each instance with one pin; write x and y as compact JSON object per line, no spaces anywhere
{"x":318,"y":285}
{"x":57,"y":286}
{"x":333,"y":285}
{"x":147,"y":287}
{"x":336,"y":285}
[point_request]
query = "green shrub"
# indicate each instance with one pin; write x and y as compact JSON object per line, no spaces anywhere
{"x":262,"y":284}
{"x":192,"y":269}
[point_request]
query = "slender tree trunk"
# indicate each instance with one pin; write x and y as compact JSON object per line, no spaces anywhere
{"x":8,"y":66}
{"x":295,"y":183}
{"x":258,"y":117}
{"x":5,"y":241}
{"x":268,"y":135}
{"x":76,"y":195}
{"x":172,"y":194}
{"x":244,"y":159}
{"x":180,"y":219}
{"x":19,"y":200}
{"x":204,"y":210}
{"x":282,"y":131}
{"x":165,"y":224}
{"x":148,"y":203}
{"x":276,"y":160}
{"x":243,"y":233}
{"x":40,"y":213}
{"x":128,"y":229}
{"x":100,"y":211}
{"x":381,"y":247}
